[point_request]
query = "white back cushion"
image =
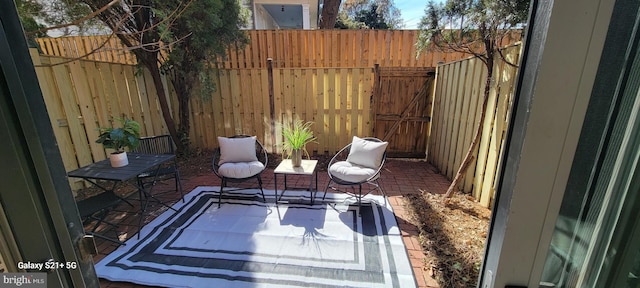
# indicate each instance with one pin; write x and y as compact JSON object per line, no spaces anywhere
{"x":234,"y":150}
{"x":366,"y":153}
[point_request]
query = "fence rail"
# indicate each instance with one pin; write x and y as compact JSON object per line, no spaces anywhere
{"x":287,"y":48}
{"x":456,"y":113}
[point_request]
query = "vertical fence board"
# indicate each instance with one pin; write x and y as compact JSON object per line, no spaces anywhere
{"x":225,"y":96}
{"x":214,"y":114}
{"x":341,"y":100}
{"x":154,"y":107}
{"x":266,"y":111}
{"x":310,"y":106}
{"x":367,"y":90}
{"x":97,"y":93}
{"x":110,"y":92}
{"x":256,"y":110}
{"x":447,"y":121}
{"x":87,"y":110}
{"x":473,"y":89}
{"x":236,"y":102}
{"x":277,"y":95}
{"x":434,"y":143}
{"x":331,"y":96}
{"x":122,"y":92}
{"x":455,"y":122}
{"x":356,"y":86}
{"x":147,"y":117}
{"x":134,"y":94}
{"x":246,"y":104}
{"x":322,"y":127}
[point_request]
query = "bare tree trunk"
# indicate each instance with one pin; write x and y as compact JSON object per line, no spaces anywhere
{"x":164,"y":106}
{"x":329,"y":14}
{"x":468,"y":158}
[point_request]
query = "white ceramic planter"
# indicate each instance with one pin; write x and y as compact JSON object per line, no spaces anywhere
{"x":119,"y":159}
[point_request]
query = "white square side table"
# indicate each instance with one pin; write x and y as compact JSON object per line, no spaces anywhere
{"x":307,"y":168}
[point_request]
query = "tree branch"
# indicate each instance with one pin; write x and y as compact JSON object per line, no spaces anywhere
{"x":76,"y":22}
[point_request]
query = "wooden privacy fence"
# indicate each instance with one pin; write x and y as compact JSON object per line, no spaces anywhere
{"x":335,"y":99}
{"x":97,"y":48}
{"x":287,"y":48}
{"x":456,"y":112}
{"x":83,"y":95}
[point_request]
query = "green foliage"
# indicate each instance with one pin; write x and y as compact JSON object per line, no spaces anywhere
{"x":36,"y":15}
{"x":206,"y":28}
{"x":369,"y":14}
{"x":118,"y":138}
{"x":28,"y":11}
{"x":181,"y":38}
{"x":297,"y":135}
{"x":471,"y":26}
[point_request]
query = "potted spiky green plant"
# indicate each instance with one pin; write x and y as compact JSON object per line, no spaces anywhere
{"x":127,"y":136}
{"x":297,"y":135}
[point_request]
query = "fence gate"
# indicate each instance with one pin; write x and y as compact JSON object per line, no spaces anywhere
{"x":402,"y":101}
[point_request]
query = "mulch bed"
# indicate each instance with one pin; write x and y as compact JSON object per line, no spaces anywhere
{"x":452,"y":234}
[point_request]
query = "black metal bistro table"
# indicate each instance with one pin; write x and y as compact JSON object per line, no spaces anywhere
{"x":138,"y":163}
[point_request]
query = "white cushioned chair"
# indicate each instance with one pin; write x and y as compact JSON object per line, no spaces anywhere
{"x":356,"y":164}
{"x":239,"y":158}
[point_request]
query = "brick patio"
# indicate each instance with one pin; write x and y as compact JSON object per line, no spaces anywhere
{"x":400,"y":177}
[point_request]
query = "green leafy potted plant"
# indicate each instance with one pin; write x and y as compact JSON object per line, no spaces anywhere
{"x":118,"y":138}
{"x":297,"y":135}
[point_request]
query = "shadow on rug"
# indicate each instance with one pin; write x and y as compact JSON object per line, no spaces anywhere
{"x":248,"y":243}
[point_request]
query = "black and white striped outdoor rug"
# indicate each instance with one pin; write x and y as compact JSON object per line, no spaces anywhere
{"x":248,"y":243}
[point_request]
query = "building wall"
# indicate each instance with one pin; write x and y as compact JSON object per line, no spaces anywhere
{"x":312,"y":4}
{"x":262,"y":19}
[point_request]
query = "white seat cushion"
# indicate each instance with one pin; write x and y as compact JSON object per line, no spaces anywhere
{"x":351,"y":172}
{"x":240,"y":170}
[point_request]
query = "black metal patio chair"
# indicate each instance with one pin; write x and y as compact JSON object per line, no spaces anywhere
{"x":357,"y":164}
{"x":239,"y":158}
{"x":96,"y":209}
{"x":162,"y":144}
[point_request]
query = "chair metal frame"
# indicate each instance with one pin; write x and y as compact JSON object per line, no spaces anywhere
{"x":261,"y":154}
{"x":96,"y":208}
{"x":373,"y":180}
{"x":161,"y":144}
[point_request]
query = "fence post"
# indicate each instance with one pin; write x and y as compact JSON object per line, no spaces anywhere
{"x":373,"y":99}
{"x":272,"y":105}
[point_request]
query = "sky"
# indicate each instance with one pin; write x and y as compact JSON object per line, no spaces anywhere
{"x":411,"y":11}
